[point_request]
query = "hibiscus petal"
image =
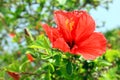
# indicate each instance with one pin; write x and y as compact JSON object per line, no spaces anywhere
{"x":52,"y":33}
{"x":92,"y":47}
{"x":62,"y":19}
{"x":62,"y":16}
{"x":61,"y":44}
{"x":85,"y":27}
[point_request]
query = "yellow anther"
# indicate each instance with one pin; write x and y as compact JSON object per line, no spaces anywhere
{"x":66,"y":22}
{"x":69,"y":24}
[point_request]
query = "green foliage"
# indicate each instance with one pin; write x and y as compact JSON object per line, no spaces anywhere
{"x":112,"y":55}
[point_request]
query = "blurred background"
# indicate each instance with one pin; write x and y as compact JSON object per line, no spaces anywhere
{"x":110,"y":16}
{"x":16,"y":15}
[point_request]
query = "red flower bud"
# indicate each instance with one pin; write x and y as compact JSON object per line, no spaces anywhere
{"x":30,"y":58}
{"x":14,"y":75}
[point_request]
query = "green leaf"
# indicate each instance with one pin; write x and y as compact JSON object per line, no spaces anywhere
{"x":13,"y":67}
{"x":48,"y":76}
{"x":69,"y":68}
{"x":22,"y":67}
{"x":57,"y":59}
{"x":111,"y":55}
{"x":41,"y":42}
{"x":51,"y":68}
{"x":103,"y":63}
{"x":35,"y":46}
{"x":62,"y":2}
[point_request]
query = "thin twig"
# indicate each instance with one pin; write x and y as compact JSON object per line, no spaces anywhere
{"x":82,"y":6}
{"x":28,"y":73}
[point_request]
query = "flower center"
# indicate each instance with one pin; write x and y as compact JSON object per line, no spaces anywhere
{"x":71,"y":44}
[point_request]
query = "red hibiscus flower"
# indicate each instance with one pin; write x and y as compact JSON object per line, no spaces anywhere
{"x":75,"y":34}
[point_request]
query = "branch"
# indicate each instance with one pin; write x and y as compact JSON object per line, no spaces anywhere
{"x":29,"y":73}
{"x":82,"y":6}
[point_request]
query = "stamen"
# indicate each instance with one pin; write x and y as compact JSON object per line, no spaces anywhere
{"x":69,"y":24}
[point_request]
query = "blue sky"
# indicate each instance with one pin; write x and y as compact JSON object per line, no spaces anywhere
{"x":111,"y":16}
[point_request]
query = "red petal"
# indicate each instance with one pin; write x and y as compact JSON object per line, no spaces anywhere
{"x":52,"y":33}
{"x":61,"y":17}
{"x":61,"y":44}
{"x":93,"y":47}
{"x":14,"y":75}
{"x":85,"y":27}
